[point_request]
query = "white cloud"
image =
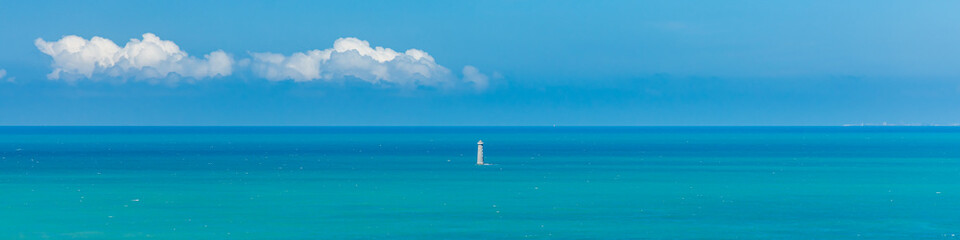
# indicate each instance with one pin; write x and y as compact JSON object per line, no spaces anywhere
{"x":472,"y":75}
{"x":153,"y":58}
{"x":351,"y":58}
{"x":150,"y":58}
{"x":3,"y":73}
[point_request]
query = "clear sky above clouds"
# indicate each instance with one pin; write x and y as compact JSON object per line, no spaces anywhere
{"x":479,"y":63}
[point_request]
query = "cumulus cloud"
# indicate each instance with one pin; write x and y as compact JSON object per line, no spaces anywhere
{"x":148,"y":58}
{"x":153,"y":58}
{"x":352,"y":58}
{"x":3,"y":73}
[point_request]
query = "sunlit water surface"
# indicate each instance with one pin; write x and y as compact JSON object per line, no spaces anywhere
{"x":421,"y":182}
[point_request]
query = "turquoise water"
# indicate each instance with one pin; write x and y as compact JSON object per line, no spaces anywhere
{"x":421,"y":182}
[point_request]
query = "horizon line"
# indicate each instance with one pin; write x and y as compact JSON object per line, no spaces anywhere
{"x":544,"y":126}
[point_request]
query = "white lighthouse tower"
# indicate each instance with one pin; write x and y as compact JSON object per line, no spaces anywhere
{"x":480,"y":152}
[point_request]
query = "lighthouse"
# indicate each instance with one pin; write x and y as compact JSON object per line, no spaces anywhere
{"x":480,"y":152}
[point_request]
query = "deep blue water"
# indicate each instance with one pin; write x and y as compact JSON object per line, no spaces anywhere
{"x":421,"y":182}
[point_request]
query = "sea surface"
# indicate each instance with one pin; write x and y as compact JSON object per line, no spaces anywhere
{"x":422,"y":183}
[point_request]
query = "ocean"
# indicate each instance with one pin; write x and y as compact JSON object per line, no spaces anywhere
{"x":423,"y":183}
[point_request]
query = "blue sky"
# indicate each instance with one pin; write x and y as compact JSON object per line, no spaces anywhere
{"x":536,"y":62}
